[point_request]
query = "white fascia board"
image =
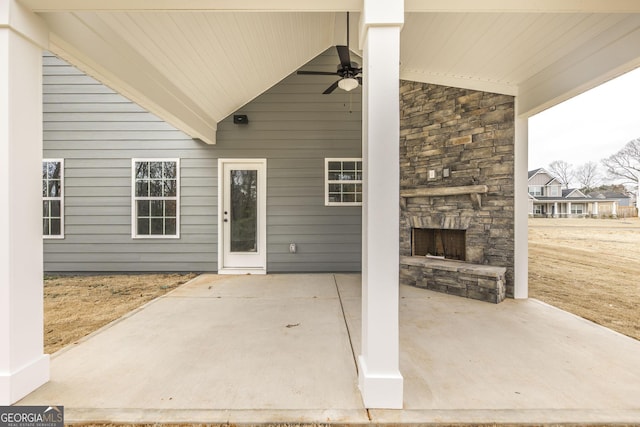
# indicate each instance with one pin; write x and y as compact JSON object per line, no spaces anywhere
{"x":23,"y":21}
{"x":582,"y":70}
{"x":539,"y":171}
{"x":195,"y":5}
{"x":459,"y":82}
{"x":523,"y":6}
{"x":113,"y":64}
{"x":553,"y":179}
{"x":581,"y":194}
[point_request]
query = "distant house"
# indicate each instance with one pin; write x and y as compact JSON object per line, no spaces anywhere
{"x":547,"y":199}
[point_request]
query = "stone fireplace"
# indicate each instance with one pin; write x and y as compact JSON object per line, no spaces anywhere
{"x":456,"y":177}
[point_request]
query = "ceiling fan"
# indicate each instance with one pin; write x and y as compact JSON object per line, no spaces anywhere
{"x":349,"y":72}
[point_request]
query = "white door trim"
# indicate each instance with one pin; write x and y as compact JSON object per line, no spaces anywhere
{"x":261,"y":265}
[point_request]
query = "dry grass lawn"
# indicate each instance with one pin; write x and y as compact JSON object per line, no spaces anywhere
{"x":589,"y":267}
{"x":75,"y":306}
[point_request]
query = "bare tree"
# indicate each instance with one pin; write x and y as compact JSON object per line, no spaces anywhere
{"x":588,"y":175}
{"x":563,"y":171}
{"x":625,"y":164}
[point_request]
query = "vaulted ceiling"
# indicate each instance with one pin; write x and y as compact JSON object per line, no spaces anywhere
{"x":193,"y":63}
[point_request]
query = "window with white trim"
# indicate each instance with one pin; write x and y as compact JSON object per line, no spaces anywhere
{"x":52,"y":198}
{"x":535,"y":190}
{"x":156,"y":195}
{"x":577,"y":208}
{"x":343,"y":181}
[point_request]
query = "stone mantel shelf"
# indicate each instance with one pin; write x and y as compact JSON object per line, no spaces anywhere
{"x":454,"y":266}
{"x":472,"y":190}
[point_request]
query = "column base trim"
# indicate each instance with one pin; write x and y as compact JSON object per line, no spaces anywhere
{"x":380,"y":391}
{"x":14,"y":386}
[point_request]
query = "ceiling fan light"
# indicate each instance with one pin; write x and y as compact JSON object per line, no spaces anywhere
{"x":348,"y":84}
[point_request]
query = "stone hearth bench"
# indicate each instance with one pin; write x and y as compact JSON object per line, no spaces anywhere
{"x":476,"y":281}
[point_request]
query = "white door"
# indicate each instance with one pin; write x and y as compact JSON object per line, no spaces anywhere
{"x":242,"y":216}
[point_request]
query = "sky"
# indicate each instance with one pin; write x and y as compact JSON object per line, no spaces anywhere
{"x":588,"y":127}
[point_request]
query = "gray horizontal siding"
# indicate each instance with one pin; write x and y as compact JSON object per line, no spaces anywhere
{"x":295,"y":127}
{"x":98,"y":132}
{"x":292,"y":125}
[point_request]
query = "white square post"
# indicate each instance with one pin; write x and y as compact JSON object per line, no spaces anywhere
{"x":23,"y":366}
{"x":521,"y":208}
{"x":381,"y":383}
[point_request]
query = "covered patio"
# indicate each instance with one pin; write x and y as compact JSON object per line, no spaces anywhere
{"x":195,"y":62}
{"x":281,"y":349}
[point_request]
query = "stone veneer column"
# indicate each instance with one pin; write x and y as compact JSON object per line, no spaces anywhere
{"x":381,"y":383}
{"x":23,"y":366}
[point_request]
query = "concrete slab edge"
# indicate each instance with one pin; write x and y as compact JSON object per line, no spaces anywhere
{"x":118,"y":320}
{"x":582,"y":319}
{"x":538,"y":417}
{"x":354,"y":417}
{"x":215,"y":416}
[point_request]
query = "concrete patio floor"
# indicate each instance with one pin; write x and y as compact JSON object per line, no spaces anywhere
{"x":280,"y":349}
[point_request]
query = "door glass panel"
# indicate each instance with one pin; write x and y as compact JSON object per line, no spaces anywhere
{"x":244,"y":210}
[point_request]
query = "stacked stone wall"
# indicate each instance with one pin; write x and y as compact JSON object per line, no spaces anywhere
{"x":470,"y":135}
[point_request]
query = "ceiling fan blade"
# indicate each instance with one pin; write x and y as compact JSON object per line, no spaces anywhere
{"x":345,"y":57}
{"x":318,"y":73}
{"x":331,"y":88}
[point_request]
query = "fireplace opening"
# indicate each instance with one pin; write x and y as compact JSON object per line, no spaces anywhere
{"x":449,"y":244}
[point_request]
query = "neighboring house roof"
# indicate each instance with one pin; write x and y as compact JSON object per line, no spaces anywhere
{"x":572,"y":193}
{"x":575,"y":195}
{"x":554,"y":179}
{"x":534,"y":172}
{"x":607,"y":195}
{"x":537,"y":171}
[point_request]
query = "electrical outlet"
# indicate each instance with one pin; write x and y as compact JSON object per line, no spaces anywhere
{"x":293,"y":248}
{"x":432,"y":174}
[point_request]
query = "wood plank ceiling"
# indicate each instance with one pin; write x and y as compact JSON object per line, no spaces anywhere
{"x":204,"y":65}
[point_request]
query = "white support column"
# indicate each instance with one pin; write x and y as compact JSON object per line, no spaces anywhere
{"x":595,"y":209}
{"x":23,"y":366}
{"x":555,"y":209}
{"x":521,"y":220}
{"x":614,"y":209}
{"x":381,"y":383}
{"x":568,"y":209}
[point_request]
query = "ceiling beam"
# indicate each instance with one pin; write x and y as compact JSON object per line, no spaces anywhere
{"x":102,"y":54}
{"x":524,"y":6}
{"x":615,"y":53}
{"x":469,"y":6}
{"x":195,"y":5}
